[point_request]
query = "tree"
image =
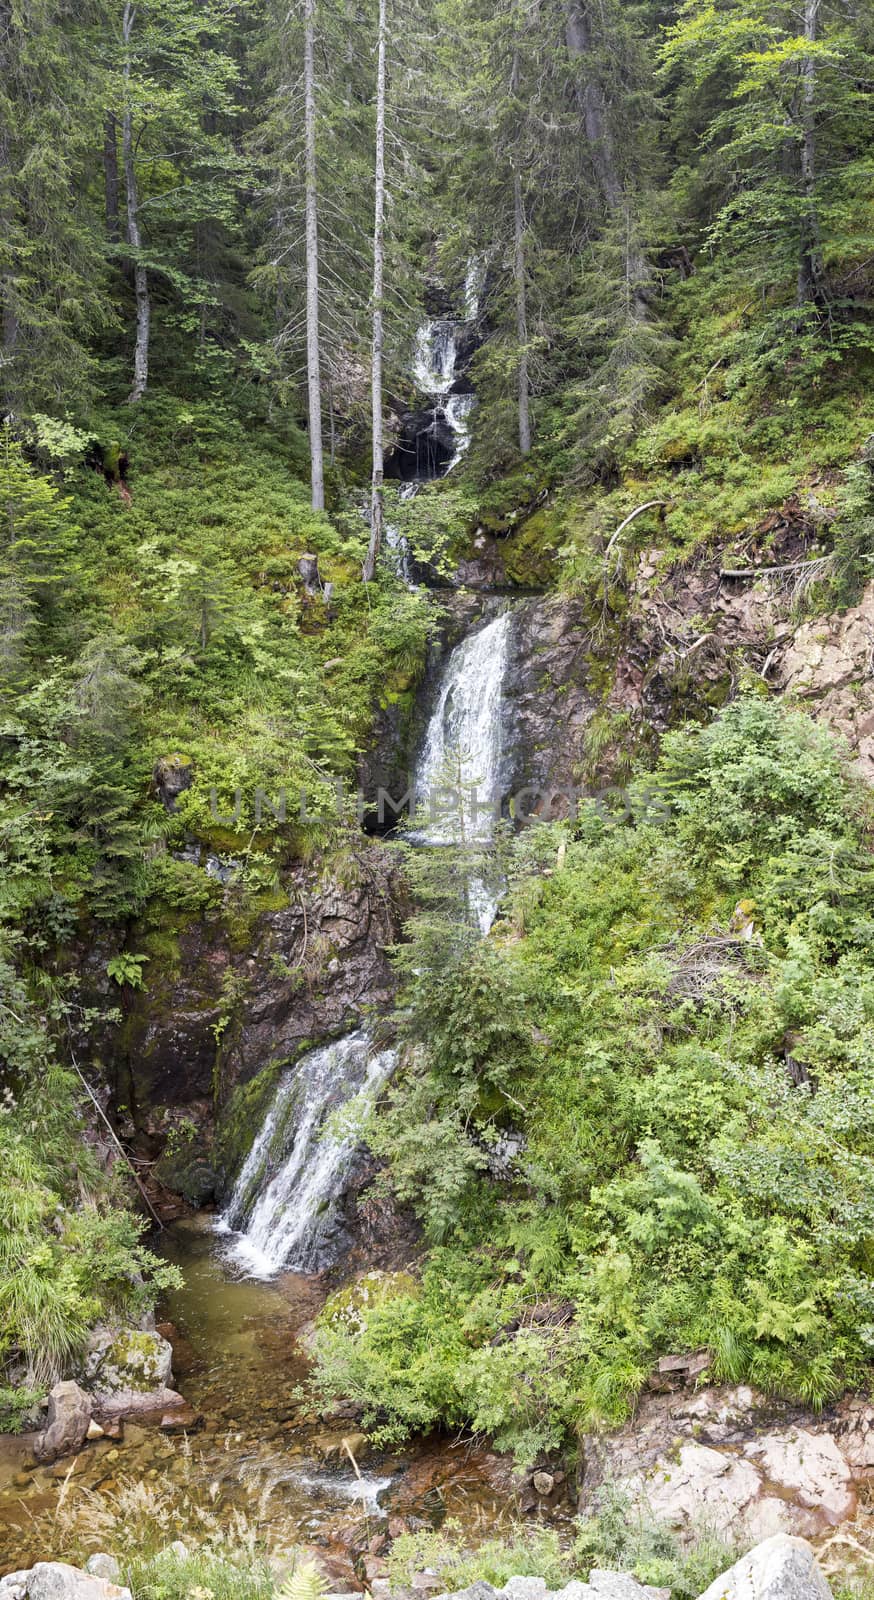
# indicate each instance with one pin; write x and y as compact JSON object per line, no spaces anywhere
{"x":376,"y":495}
{"x":779,"y":117}
{"x":52,"y":277}
{"x":314,"y":381}
{"x":172,"y":95}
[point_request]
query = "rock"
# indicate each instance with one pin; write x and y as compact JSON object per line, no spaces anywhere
{"x":55,"y":1580}
{"x":103,"y":1566}
{"x":623,"y":1586}
{"x":543,"y":1482}
{"x":14,"y":1586}
{"x":827,"y":664}
{"x":781,"y":1568}
{"x":476,"y":1591}
{"x":127,"y":1371}
{"x":182,"y":1419}
{"x":812,"y":1466}
{"x":525,"y":1588}
{"x":127,"y":1358}
{"x":180,"y":1550}
{"x":66,"y":1428}
{"x":172,"y":775}
{"x":308,"y":567}
{"x":95,"y":1431}
{"x":702,"y":1485}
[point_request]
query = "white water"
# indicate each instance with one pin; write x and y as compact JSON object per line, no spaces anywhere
{"x":282,"y":1210}
{"x":434,"y":369}
{"x":458,"y":779}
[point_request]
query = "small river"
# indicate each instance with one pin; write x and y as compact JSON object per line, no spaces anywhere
{"x":258,"y":1459}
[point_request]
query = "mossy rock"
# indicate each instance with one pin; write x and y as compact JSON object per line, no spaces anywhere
{"x":530,"y":552}
{"x":347,"y":1310}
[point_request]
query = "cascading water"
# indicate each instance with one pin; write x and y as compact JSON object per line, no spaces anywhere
{"x":283,"y":1212}
{"x":458,"y":778}
{"x":435,"y":367}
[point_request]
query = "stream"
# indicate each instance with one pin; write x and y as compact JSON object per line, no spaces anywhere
{"x":251,"y":1450}
{"x":257,"y":1453}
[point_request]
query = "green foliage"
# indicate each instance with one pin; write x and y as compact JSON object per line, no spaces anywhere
{"x":624,"y":1534}
{"x":677,"y":1025}
{"x":522,"y":1552}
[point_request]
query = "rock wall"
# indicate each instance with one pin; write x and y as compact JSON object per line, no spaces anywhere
{"x":223,"y":998}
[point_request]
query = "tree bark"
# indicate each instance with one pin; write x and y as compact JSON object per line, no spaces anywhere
{"x":590,"y":99}
{"x":809,"y":266}
{"x":521,"y":314}
{"x":314,"y":380}
{"x":10,"y":328}
{"x":376,"y":493}
{"x":141,"y":281}
{"x":110,"y":178}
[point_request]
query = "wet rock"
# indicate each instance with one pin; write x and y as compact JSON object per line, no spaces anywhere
{"x":780,"y":1568}
{"x":543,"y":1482}
{"x":548,"y":703}
{"x":169,"y":1053}
{"x":69,"y":1416}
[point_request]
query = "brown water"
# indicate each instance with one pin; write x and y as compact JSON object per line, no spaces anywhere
{"x":259,"y":1459}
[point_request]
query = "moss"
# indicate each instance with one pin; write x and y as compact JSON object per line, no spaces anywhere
{"x":530,"y":551}
{"x":243,"y":1116}
{"x":347,"y":1309}
{"x":135,"y":1355}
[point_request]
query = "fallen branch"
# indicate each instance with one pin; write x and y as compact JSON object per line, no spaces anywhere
{"x":755,"y":572}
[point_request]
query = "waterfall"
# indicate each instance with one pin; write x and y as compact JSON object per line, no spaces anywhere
{"x":283,"y":1212}
{"x":438,"y":345}
{"x":458,"y":780}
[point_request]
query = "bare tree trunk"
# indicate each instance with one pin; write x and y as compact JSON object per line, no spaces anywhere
{"x":521,"y":314}
{"x":141,"y":281}
{"x":314,"y":381}
{"x":809,"y":266}
{"x":376,"y":495}
{"x":578,"y":38}
{"x":110,"y":177}
{"x":10,"y":327}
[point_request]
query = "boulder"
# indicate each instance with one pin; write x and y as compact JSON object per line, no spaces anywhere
{"x":14,"y":1586}
{"x":55,"y":1580}
{"x":781,"y":1568}
{"x":623,"y":1586}
{"x":127,"y":1358}
{"x":525,"y":1588}
{"x":105,"y":1566}
{"x":128,"y":1371}
{"x":66,"y":1429}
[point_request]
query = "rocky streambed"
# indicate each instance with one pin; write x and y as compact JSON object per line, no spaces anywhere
{"x":245,"y":1446}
